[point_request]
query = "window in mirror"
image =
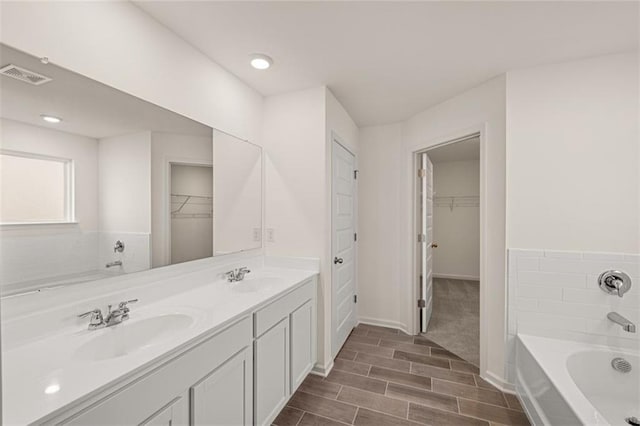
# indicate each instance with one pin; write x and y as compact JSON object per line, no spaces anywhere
{"x":34,"y":189}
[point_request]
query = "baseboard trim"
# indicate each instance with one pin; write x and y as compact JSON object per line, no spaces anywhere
{"x":499,"y":382}
{"x":457,"y":277}
{"x":322,"y":370}
{"x":384,"y":323}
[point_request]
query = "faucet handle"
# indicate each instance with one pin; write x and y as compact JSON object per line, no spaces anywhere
{"x":96,"y":321}
{"x":123,"y":304}
{"x":244,"y":269}
{"x":94,"y":312}
{"x":615,"y":283}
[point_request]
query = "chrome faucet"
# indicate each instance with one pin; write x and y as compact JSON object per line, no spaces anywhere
{"x":626,"y":325}
{"x":114,"y":263}
{"x":236,"y":274}
{"x":113,"y":317}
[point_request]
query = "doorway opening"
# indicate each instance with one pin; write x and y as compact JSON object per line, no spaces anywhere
{"x":191,"y":223}
{"x":449,"y":247}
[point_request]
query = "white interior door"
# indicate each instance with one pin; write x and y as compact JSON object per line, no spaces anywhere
{"x":342,"y":245}
{"x":425,"y":238}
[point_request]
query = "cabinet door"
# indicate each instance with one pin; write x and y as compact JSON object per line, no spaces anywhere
{"x":224,"y":397}
{"x":176,"y":413}
{"x":302,"y":343}
{"x":271,"y":372}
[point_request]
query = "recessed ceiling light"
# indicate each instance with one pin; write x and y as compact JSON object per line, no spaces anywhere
{"x":50,"y":118}
{"x":260,"y":61}
{"x":51,"y":389}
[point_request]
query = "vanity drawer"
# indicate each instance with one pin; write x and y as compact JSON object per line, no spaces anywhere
{"x":270,"y":315}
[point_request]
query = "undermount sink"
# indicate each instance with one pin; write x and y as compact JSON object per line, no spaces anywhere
{"x":128,"y":337}
{"x":254,"y":284}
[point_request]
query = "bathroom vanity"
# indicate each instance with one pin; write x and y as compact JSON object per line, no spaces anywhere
{"x":197,"y":349}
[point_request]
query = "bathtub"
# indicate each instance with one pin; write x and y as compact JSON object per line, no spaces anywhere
{"x":563,"y":382}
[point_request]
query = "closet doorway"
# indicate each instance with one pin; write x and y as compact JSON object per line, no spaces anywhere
{"x":191,"y":195}
{"x":448,"y":251}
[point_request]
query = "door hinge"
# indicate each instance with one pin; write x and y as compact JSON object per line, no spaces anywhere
{"x":355,"y":237}
{"x":355,"y":174}
{"x":422,"y":238}
{"x":422,"y":303}
{"x":422,"y":173}
{"x":355,"y":298}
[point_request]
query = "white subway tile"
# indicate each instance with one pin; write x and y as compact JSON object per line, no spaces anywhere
{"x":632,"y":258}
{"x":589,"y":256}
{"x":527,"y":304}
{"x":526,"y":253}
{"x":551,"y":321}
{"x":579,"y":310}
{"x":539,"y":292}
{"x":598,"y":297}
{"x":556,"y":279}
{"x":563,"y":265}
{"x":528,"y":264}
{"x":563,"y":254}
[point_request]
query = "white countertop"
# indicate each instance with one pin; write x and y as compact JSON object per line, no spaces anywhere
{"x":52,"y":362}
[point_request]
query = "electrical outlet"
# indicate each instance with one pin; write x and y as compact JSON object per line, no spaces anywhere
{"x":271,"y":235}
{"x":256,"y":234}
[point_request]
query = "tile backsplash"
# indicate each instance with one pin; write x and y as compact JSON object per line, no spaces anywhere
{"x":556,"y":294}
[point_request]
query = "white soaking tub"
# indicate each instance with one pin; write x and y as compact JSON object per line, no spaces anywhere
{"x":564,"y":382}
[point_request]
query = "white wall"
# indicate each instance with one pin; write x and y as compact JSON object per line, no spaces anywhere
{"x":35,"y":252}
{"x":124,"y":183}
{"x":573,"y":198}
{"x":136,"y":54}
{"x":294,"y":141}
{"x":386,"y":210}
{"x":457,"y":229}
{"x":165,"y":148}
{"x":573,"y":155}
{"x":297,"y":141}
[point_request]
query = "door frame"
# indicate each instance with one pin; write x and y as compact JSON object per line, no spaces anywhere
{"x":335,"y":138}
{"x":476,"y":131}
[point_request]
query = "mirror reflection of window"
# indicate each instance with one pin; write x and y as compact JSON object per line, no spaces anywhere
{"x":34,"y":188}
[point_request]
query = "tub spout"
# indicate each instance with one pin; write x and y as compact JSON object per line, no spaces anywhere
{"x":626,"y":325}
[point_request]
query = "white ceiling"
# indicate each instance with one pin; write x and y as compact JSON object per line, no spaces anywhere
{"x":386,"y":61}
{"x":459,"y":151}
{"x":87,"y":107}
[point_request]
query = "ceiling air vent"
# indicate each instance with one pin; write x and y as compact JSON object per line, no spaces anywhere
{"x":24,"y":74}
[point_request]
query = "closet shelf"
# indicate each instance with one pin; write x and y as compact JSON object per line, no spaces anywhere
{"x":452,"y":201}
{"x":188,"y":206}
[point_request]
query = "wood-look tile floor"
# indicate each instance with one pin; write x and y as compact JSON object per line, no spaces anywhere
{"x":384,"y":377}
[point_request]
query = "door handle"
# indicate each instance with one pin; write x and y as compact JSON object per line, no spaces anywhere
{"x":337,"y":260}
{"x":434,"y":245}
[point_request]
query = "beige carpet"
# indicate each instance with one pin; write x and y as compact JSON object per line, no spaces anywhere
{"x":455,"y":321}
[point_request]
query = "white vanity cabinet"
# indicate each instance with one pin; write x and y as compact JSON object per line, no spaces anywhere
{"x":210,"y":383}
{"x":284,"y":349}
{"x":242,"y":375}
{"x":225,"y":396}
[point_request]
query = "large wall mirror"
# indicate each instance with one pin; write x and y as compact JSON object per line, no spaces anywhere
{"x":95,"y":182}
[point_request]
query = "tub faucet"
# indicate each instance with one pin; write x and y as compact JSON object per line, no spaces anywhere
{"x":114,"y":263}
{"x":626,"y":325}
